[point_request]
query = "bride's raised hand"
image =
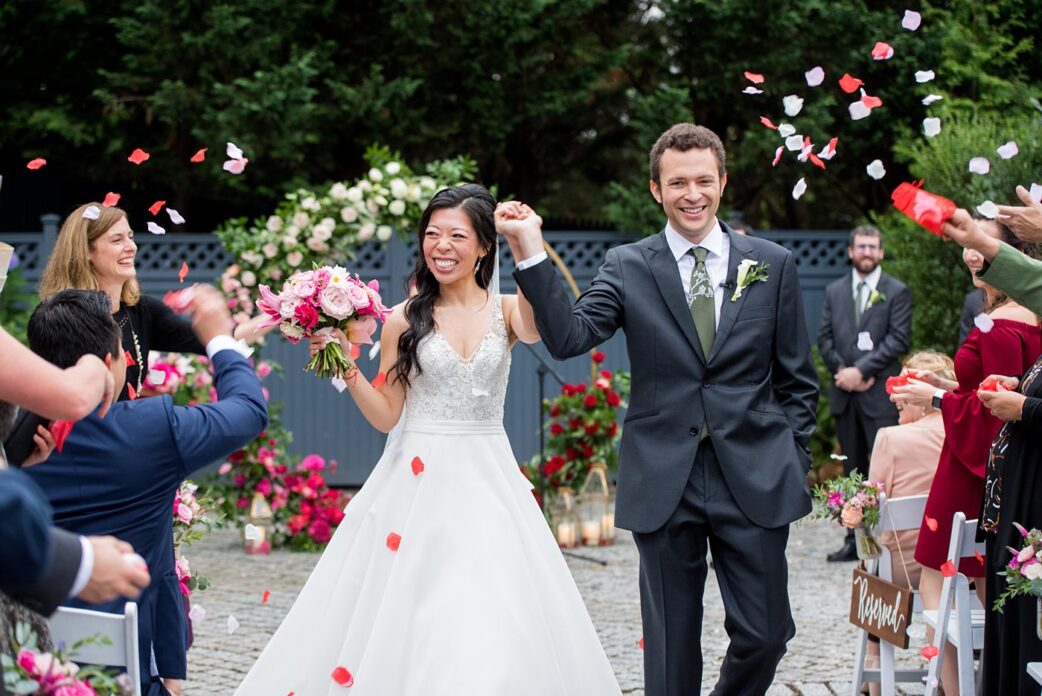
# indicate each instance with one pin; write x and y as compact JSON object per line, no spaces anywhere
{"x":514,"y":219}
{"x":321,"y":339}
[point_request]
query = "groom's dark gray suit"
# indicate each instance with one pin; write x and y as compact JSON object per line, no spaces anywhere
{"x":735,"y":491}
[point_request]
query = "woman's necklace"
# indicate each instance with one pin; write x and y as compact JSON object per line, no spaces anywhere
{"x":123,"y":322}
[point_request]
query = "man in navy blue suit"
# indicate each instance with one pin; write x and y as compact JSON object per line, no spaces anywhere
{"x":119,"y":475}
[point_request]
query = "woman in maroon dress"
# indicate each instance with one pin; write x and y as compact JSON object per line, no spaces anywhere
{"x":1006,"y":342}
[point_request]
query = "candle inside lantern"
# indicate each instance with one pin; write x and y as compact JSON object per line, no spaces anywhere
{"x":608,"y":526}
{"x":592,"y":533}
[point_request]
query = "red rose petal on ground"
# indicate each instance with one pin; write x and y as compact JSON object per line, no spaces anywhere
{"x":641,"y":643}
{"x":948,"y":569}
{"x":265,"y":596}
{"x":111,"y":199}
{"x":931,"y":524}
{"x":417,"y":466}
{"x":59,"y":431}
{"x":199,"y":156}
{"x":131,"y":394}
{"x":767,"y":122}
{"x":130,"y":358}
{"x":183,"y":272}
{"x":156,"y":207}
{"x":342,"y":677}
{"x":379,"y":380}
{"x":138,"y":156}
{"x":929,"y":652}
{"x":393,"y":541}
{"x":36,"y":163}
{"x":849,"y":84}
{"x":755,"y":78}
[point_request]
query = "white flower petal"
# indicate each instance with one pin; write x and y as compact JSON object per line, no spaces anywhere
{"x":154,"y":228}
{"x":988,"y":209}
{"x":374,"y":351}
{"x":786,"y":129}
{"x":338,"y":384}
{"x":752,"y":90}
{"x":793,"y":105}
{"x":233,"y":151}
{"x":235,"y":166}
{"x":815,"y":76}
{"x":794,"y":142}
{"x":1008,"y":151}
{"x":979,"y":165}
{"x":858,"y":110}
{"x":233,"y":624}
{"x":196,"y":614}
{"x":1036,"y":193}
{"x":931,"y":126}
{"x":250,"y":532}
{"x":92,"y":212}
{"x":175,"y":217}
{"x":924,"y":75}
{"x":799,"y":189}
{"x":931,"y":98}
{"x":876,"y":170}
{"x":983,"y":322}
{"x":911,"y":20}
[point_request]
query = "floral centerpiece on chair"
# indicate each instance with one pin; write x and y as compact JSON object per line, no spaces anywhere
{"x":854,"y":503}
{"x":193,"y":521}
{"x":37,"y":673}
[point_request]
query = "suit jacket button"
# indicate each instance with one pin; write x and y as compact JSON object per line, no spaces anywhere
{"x":705,"y":385}
{"x":693,"y":432}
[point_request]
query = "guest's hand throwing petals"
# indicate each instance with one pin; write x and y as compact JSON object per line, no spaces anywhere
{"x":1004,"y":405}
{"x":915,"y":393}
{"x":1025,"y":220}
{"x":962,"y":229}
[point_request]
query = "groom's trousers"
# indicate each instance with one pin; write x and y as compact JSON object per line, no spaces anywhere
{"x":751,"y":571}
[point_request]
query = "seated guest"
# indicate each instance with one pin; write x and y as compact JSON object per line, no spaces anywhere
{"x":119,"y":475}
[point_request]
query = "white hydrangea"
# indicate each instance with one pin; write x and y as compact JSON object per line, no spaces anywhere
{"x":294,"y":258}
{"x":274,"y":224}
{"x":383,"y":232}
{"x":393,"y":168}
{"x":376,"y":175}
{"x":398,"y":188}
{"x":396,"y":208}
{"x":270,"y":250}
{"x":249,"y":279}
{"x":366,"y":232}
{"x":349,"y":214}
{"x":338,"y":191}
{"x":301,"y":219}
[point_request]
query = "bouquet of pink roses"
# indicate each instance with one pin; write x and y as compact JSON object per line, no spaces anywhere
{"x":317,"y":303}
{"x":1024,"y":572}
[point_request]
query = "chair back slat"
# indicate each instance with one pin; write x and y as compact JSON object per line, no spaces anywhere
{"x":70,"y":625}
{"x":964,"y":544}
{"x":901,"y":514}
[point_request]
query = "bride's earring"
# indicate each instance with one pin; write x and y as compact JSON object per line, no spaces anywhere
{"x":477,"y":266}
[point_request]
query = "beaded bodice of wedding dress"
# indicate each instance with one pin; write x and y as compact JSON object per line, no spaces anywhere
{"x":457,"y":388}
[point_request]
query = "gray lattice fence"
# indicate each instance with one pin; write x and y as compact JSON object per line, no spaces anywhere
{"x":325,"y":422}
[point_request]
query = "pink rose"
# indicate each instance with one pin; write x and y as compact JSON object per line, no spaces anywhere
{"x":74,"y":688}
{"x":224,"y":468}
{"x":306,"y":316}
{"x":27,"y":661}
{"x":240,"y":480}
{"x":304,"y":285}
{"x":185,"y":514}
{"x":852,"y":517}
{"x":184,"y":570}
{"x":361,"y":330}
{"x":358,"y":296}
{"x":320,"y":531}
{"x":336,"y":302}
{"x":263,"y":370}
{"x":264,"y":487}
{"x":313,"y":462}
{"x":242,"y":503}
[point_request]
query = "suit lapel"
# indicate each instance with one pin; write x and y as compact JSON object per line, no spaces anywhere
{"x":667,"y":278}
{"x":740,"y":249}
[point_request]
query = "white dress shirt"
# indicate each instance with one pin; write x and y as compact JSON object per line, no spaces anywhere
{"x":719,"y":246}
{"x":871,"y":280}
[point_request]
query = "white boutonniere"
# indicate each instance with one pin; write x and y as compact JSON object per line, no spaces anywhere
{"x":874,"y":297}
{"x":749,"y":272}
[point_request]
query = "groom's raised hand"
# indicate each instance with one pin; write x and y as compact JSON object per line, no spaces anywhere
{"x":521,"y":227}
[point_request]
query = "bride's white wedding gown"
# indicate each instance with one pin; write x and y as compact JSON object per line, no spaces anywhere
{"x":477,"y":599}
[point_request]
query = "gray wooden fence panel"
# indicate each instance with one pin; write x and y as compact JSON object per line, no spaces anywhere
{"x":328,"y":423}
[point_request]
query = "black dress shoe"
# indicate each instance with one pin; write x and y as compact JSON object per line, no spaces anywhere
{"x":847,"y":553}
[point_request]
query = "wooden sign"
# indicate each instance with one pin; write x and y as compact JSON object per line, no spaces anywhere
{"x":881,"y":608}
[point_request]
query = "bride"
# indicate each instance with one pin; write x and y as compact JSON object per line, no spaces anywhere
{"x":443,"y":578}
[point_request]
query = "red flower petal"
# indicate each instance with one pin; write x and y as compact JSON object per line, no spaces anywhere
{"x":777,"y":155}
{"x":849,"y":84}
{"x":130,"y":358}
{"x":156,"y":207}
{"x":417,"y":466}
{"x":755,"y":78}
{"x":138,"y":156}
{"x":111,"y":199}
{"x":342,"y":677}
{"x":931,"y":524}
{"x":948,"y":569}
{"x":980,"y":558}
{"x":131,"y":394}
{"x":199,"y":156}
{"x":641,"y":643}
{"x":393,"y":541}
{"x":265,"y":596}
{"x":379,"y":380}
{"x":183,"y":272}
{"x":815,"y":160}
{"x":59,"y":431}
{"x":871,"y":102}
{"x":356,"y":352}
{"x":929,"y":652}
{"x":36,"y":163}
{"x":882,"y":51}
{"x":767,"y":122}
{"x":179,"y":300}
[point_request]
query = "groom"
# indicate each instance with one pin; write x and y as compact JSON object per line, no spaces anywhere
{"x":714,"y":446}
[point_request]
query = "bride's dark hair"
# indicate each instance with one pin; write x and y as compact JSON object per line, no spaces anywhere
{"x":480,"y":207}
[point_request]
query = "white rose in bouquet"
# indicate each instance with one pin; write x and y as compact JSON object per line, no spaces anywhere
{"x":310,"y":203}
{"x":393,"y":168}
{"x":336,"y":302}
{"x":249,"y":279}
{"x":398,"y":188}
{"x":383,"y":232}
{"x":301,"y":219}
{"x":396,"y":208}
{"x":270,"y":250}
{"x":338,"y":191}
{"x":294,"y":258}
{"x":376,"y":175}
{"x":366,"y":232}
{"x":274,"y":224}
{"x":349,"y":214}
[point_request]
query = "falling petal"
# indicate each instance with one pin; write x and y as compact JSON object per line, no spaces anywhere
{"x":767,"y":122}
{"x":815,"y":160}
{"x":393,"y":541}
{"x":858,"y":110}
{"x":799,"y":189}
{"x":752,"y":90}
{"x":849,"y":84}
{"x":154,"y":228}
{"x":233,"y":151}
{"x":979,"y":165}
{"x":1036,"y":193}
{"x":929,"y":652}
{"x":417,"y":466}
{"x":343,"y":677}
{"x":755,"y":78}
{"x":111,"y":199}
{"x":983,"y":322}
{"x":131,"y":393}
{"x":931,"y":524}
{"x":870,"y":101}
{"x":36,"y":163}
{"x":793,"y":105}
{"x":876,"y":170}
{"x":948,"y":569}
{"x":911,"y":20}
{"x":988,"y":209}
{"x":339,"y":384}
{"x":829,"y":151}
{"x":640,"y":643}
{"x":175,"y":217}
{"x":1008,"y":151}
{"x":199,"y":156}
{"x":235,"y":166}
{"x":924,"y":75}
{"x":156,"y":207}
{"x":931,"y":126}
{"x":233,"y":624}
{"x":815,"y":76}
{"x":60,"y":430}
{"x":138,"y":156}
{"x":92,"y":212}
{"x":374,"y":350}
{"x":266,"y":596}
{"x":251,"y":533}
{"x":129,"y":358}
{"x":794,"y":142}
{"x":931,"y":98}
{"x":882,"y":51}
{"x":196,"y":614}
{"x":980,"y":558}
{"x":777,"y":155}
{"x":183,"y":272}
{"x":786,"y":129}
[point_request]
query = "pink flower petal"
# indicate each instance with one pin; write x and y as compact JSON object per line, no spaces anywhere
{"x":111,"y":199}
{"x":199,"y":156}
{"x":815,"y":76}
{"x":138,"y":156}
{"x":777,"y":155}
{"x":882,"y":51}
{"x":36,"y":163}
{"x":755,"y":78}
{"x":911,"y":20}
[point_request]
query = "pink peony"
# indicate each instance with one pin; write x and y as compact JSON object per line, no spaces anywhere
{"x":313,"y":462}
{"x":264,"y":487}
{"x":336,"y":303}
{"x":358,"y":296}
{"x":361,"y":329}
{"x":320,"y":531}
{"x":263,"y":369}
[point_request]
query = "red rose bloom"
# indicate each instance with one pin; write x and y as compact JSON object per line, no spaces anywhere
{"x":306,"y":316}
{"x":336,"y":515}
{"x":320,"y":531}
{"x":613,"y":429}
{"x":297,"y":523}
{"x":568,"y":389}
{"x":571,"y":454}
{"x":613,"y":399}
{"x":592,"y":427}
{"x":598,"y":357}
{"x":606,"y":374}
{"x":588,"y":451}
{"x":556,"y":429}
{"x":574,"y":423}
{"x":590,"y":401}
{"x":555,"y":411}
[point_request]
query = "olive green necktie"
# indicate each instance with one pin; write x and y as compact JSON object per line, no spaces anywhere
{"x":857,"y":302}
{"x":702,"y":301}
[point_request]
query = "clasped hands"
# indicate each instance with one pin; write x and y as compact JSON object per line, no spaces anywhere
{"x":850,"y":379}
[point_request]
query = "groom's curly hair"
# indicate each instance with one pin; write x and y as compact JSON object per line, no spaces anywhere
{"x":480,"y":207}
{"x":683,"y":137}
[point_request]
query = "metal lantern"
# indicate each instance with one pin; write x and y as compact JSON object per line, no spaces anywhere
{"x":564,"y":518}
{"x":257,"y":535}
{"x":597,"y":507}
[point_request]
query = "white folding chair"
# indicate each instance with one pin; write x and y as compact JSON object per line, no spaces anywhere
{"x":1035,"y":671}
{"x":959,"y":618}
{"x":69,"y":626}
{"x":895,"y":515}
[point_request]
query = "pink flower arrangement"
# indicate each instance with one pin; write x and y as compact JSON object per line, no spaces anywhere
{"x":320,"y":301}
{"x":1024,"y":572}
{"x":38,"y":673}
{"x":191,"y":523}
{"x":850,"y":500}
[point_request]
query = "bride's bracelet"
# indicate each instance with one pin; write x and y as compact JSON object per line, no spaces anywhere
{"x":350,"y":374}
